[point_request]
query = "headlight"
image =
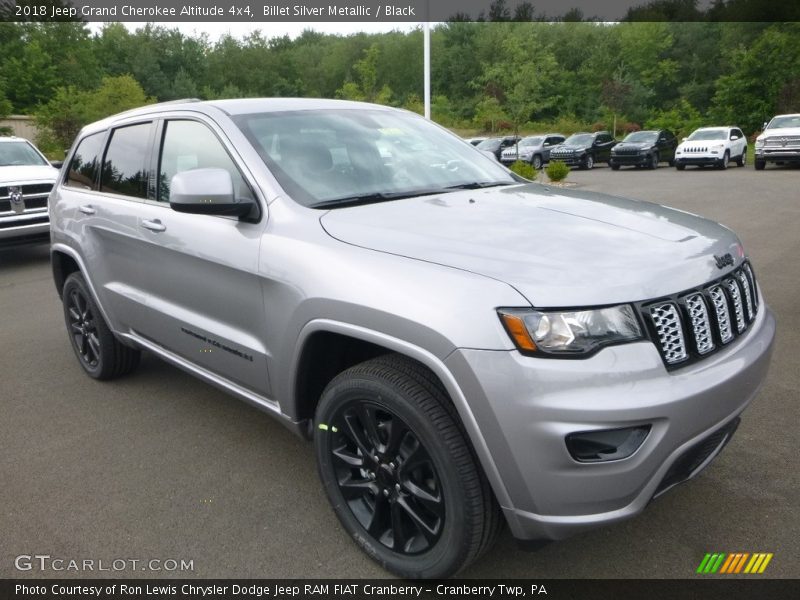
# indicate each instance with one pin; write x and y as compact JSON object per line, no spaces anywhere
{"x":759,"y":142}
{"x":574,"y":332}
{"x":717,"y":146}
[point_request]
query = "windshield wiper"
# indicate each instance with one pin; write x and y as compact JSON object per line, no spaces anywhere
{"x":372,"y":198}
{"x":477,"y":185}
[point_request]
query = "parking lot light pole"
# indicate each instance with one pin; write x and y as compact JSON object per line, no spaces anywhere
{"x":427,"y":61}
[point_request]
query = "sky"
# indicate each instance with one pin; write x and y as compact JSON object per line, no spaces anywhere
{"x":270,"y":30}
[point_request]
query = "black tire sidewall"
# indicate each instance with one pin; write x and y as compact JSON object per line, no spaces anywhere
{"x":437,"y":561}
{"x":76,"y":282}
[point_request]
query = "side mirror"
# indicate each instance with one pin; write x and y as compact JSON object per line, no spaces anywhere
{"x":734,"y":137}
{"x":765,"y":125}
{"x":56,"y":164}
{"x":684,"y":139}
{"x":206,"y":192}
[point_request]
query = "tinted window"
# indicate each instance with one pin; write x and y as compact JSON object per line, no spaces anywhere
{"x":191,"y":145}
{"x":85,"y":162}
{"x":125,"y":165}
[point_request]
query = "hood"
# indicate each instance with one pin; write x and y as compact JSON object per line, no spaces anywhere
{"x":781,"y":132}
{"x":25,"y":174}
{"x":559,"y":248}
{"x":636,"y":145}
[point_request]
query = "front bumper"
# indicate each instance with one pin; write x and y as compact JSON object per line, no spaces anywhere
{"x":572,"y":160}
{"x":526,"y":406}
{"x":33,"y":226}
{"x":698,"y":159}
{"x":629,"y":160}
{"x":778,"y":155}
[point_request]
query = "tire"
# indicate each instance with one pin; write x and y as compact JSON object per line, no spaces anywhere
{"x":759,"y":164}
{"x":653,"y":161}
{"x":537,"y":161}
{"x":100,"y":354}
{"x":615,"y":167}
{"x":374,"y":493}
{"x":742,"y":160}
{"x":588,"y":162}
{"x":726,"y":158}
{"x":671,"y":163}
{"x":679,"y":166}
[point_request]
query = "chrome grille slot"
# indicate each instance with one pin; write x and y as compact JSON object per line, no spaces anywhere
{"x":701,"y":324}
{"x":738,"y":309}
{"x":670,"y":332}
{"x":752,"y":279}
{"x":748,"y":297}
{"x":723,"y":315}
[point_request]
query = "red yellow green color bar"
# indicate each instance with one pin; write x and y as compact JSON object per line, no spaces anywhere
{"x":735,"y":562}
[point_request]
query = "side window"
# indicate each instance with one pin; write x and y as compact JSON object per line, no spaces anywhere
{"x":85,"y":163}
{"x":125,"y":164}
{"x":738,"y":132}
{"x":191,"y":145}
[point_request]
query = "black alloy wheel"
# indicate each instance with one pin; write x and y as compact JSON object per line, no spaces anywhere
{"x":399,"y":470}
{"x":387,"y":477}
{"x":100,"y":354}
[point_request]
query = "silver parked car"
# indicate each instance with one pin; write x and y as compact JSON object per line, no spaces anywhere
{"x":534,"y":149}
{"x":26,"y":178}
{"x":465,"y":348}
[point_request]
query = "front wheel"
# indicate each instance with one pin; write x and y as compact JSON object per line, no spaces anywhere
{"x":742,"y":160}
{"x":615,"y":167}
{"x":679,"y":166}
{"x":723,"y":164}
{"x":653,"y":161}
{"x":537,"y":162}
{"x":588,"y":162}
{"x":760,"y":165}
{"x":399,"y":471}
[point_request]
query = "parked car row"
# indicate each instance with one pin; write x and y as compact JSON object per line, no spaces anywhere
{"x":706,"y":146}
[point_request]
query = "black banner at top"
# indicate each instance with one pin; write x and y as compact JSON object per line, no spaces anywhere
{"x":312,"y":11}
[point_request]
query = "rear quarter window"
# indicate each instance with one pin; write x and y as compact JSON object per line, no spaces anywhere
{"x":125,"y":169}
{"x":85,"y":163}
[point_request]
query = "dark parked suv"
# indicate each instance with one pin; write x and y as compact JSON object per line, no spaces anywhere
{"x":645,"y":149}
{"x":496,"y":145}
{"x":583,"y":149}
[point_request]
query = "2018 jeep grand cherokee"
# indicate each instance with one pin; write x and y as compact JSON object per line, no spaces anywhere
{"x":462,"y":345}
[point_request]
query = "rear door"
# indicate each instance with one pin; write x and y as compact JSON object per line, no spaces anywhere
{"x":205,"y":301}
{"x":104,"y":189}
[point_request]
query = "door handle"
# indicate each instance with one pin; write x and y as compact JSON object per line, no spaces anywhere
{"x":154,"y":225}
{"x":87,"y":209}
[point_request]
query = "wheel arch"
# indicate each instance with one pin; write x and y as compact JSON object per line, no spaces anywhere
{"x":323,"y":336}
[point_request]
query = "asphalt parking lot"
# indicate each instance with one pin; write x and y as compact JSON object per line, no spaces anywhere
{"x":161,"y":466}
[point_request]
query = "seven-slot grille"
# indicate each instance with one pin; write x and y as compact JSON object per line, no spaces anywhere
{"x":691,"y":149}
{"x":693,"y":324}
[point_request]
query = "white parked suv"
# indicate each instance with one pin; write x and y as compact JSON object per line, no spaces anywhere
{"x":715,"y":146}
{"x":780,"y":142}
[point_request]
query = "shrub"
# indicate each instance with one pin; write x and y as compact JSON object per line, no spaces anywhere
{"x":557,"y":170}
{"x":524,"y":169}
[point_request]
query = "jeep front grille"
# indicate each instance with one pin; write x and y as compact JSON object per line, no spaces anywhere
{"x":694,"y":324}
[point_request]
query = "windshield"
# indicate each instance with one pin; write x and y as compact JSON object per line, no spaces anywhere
{"x":641,"y":136}
{"x":579,"y":139}
{"x":531,"y":141}
{"x":18,"y":154}
{"x":322,"y":156}
{"x":709,"y":134}
{"x":782,"y":122}
{"x":491,"y":144}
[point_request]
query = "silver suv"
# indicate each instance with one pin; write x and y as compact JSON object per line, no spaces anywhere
{"x":464,"y":347}
{"x":26,"y":178}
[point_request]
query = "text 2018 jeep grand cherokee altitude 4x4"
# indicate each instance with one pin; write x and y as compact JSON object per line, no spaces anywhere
{"x":461,"y":344}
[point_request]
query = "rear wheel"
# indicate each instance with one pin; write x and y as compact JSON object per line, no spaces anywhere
{"x":399,"y":471}
{"x":100,"y":354}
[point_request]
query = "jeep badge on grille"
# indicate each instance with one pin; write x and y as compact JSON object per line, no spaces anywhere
{"x":17,"y":199}
{"x":724,"y":261}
